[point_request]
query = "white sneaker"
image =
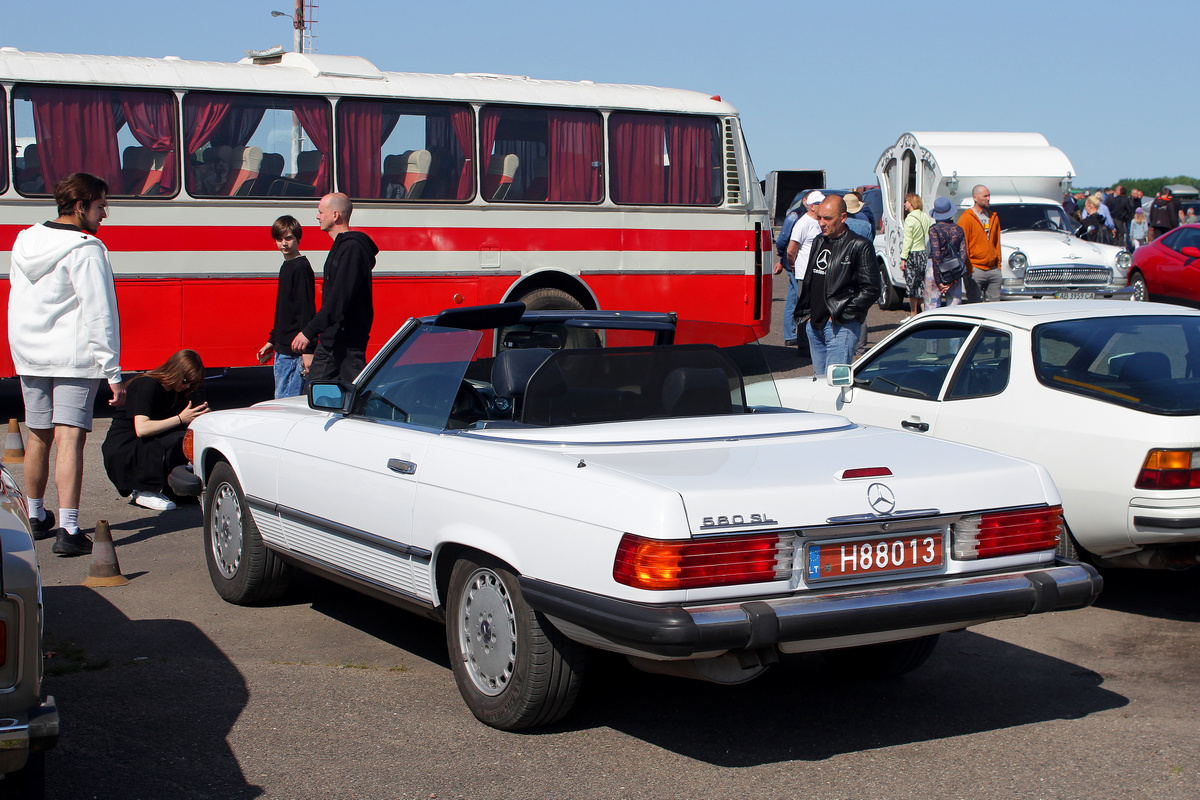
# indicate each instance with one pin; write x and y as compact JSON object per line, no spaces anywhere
{"x":152,"y":500}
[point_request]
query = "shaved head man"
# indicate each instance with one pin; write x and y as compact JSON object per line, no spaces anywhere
{"x":981,"y":226}
{"x":342,"y":326}
{"x":839,"y":287}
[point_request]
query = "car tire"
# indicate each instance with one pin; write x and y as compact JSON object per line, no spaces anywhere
{"x":1140,"y":290}
{"x":887,"y":660}
{"x":242,"y":569}
{"x":889,"y":297}
{"x":28,"y":782}
{"x":512,"y":667}
{"x":1068,"y":547}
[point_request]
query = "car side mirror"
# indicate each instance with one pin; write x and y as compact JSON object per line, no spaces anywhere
{"x":1191,"y":252}
{"x":330,"y":396}
{"x":840,"y":376}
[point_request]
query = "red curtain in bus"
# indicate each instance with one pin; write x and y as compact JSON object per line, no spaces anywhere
{"x":151,"y":120}
{"x":489,"y":119}
{"x":690,"y":148}
{"x":359,"y":148}
{"x":363,"y":127}
{"x":314,"y":118}
{"x":202,"y":115}
{"x":574,"y":150}
{"x":461,"y":118}
{"x":76,"y":132}
{"x":637,"y":144}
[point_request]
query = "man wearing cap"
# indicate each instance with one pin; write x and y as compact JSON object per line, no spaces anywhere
{"x":839,"y":285}
{"x":981,"y":226}
{"x":800,"y":242}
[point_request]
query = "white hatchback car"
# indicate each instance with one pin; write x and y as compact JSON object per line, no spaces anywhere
{"x":647,"y":497}
{"x":1105,"y":395}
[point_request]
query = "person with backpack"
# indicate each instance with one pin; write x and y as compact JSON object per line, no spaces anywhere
{"x":1093,"y":227}
{"x":946,"y":266}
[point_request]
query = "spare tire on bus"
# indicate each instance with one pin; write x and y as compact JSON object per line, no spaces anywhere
{"x":550,"y":300}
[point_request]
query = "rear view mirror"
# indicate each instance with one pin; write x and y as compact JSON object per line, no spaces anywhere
{"x":327,"y":396}
{"x":839,"y":375}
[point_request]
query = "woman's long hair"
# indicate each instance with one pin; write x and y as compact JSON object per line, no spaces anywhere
{"x":183,"y":366}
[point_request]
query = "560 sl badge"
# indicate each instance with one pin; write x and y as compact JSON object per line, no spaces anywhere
{"x":736,"y":521}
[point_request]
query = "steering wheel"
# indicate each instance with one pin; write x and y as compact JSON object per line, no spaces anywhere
{"x":470,"y":406}
{"x":1042,"y":225}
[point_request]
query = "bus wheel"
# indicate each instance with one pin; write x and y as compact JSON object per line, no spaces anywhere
{"x":550,"y":299}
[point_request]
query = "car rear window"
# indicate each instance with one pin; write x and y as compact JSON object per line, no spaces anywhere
{"x":1148,"y":363}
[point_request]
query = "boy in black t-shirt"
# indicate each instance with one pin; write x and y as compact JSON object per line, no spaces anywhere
{"x":295,"y":306}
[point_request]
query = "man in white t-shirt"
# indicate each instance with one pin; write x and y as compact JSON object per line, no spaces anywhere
{"x":804,"y":232}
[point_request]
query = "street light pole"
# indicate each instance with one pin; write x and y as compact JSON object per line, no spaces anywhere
{"x":298,"y":27}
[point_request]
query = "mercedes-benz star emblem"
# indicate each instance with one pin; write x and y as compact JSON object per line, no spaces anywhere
{"x":823,"y":259}
{"x":881,"y":498}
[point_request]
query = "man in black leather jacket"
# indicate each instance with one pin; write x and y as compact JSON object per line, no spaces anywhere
{"x":839,"y":287}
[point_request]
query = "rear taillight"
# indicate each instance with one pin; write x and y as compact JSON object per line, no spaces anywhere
{"x":1007,"y":533}
{"x":188,"y":438}
{"x":1170,"y":469}
{"x":690,"y":563}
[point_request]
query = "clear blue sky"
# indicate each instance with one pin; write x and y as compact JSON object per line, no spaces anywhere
{"x":818,"y":85}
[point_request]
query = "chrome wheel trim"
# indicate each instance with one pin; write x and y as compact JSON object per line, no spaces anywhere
{"x":226,"y":534}
{"x":487,"y":635}
{"x":1139,"y":288}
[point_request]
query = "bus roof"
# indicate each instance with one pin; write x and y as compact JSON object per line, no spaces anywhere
{"x":311,"y":73}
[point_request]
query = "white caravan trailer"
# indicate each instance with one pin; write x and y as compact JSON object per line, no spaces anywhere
{"x":1027,"y":177}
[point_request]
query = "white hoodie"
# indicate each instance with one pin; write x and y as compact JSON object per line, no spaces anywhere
{"x":62,"y":309}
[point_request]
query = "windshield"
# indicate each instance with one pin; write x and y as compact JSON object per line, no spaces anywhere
{"x":1033,"y":217}
{"x":1147,"y":363}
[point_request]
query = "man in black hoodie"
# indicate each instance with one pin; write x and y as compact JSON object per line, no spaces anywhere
{"x":342,"y":325}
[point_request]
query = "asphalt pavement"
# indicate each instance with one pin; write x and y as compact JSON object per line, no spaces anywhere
{"x":165,"y":691}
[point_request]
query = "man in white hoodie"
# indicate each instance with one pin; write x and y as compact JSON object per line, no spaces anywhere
{"x":65,"y":339}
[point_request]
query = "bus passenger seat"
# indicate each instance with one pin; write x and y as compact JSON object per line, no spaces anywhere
{"x":499,"y":178}
{"x":308,"y":166}
{"x":539,"y":187}
{"x":393,"y":175}
{"x":158,"y":162}
{"x":417,"y":172}
{"x":29,"y":177}
{"x":135,"y":166}
{"x":245,"y":164}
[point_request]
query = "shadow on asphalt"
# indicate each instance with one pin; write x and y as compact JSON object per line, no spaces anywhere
{"x":168,"y":738}
{"x":799,"y":709}
{"x":802,"y":710}
{"x":1152,"y":593}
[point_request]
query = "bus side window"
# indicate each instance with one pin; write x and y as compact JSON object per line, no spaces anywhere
{"x":118,"y":135}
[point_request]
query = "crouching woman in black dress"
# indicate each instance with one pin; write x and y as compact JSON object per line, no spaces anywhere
{"x":145,"y":441}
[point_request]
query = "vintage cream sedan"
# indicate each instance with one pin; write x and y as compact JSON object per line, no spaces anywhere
{"x":1105,"y":395}
{"x":1041,"y":257}
{"x":614,"y":480}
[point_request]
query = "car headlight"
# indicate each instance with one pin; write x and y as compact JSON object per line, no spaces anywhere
{"x":1124,"y":260}
{"x":1017,"y":263}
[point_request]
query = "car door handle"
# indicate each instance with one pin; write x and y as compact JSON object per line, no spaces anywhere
{"x":402,"y":467}
{"x":920,"y":427}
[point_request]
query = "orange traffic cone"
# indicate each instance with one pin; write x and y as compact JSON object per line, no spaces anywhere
{"x":14,"y":448}
{"x":105,"y":571}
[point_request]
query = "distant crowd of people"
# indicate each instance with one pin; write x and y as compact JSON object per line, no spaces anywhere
{"x":1111,"y":216}
{"x":64,"y":334}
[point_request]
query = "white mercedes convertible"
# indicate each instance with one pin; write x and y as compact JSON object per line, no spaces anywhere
{"x":548,"y":483}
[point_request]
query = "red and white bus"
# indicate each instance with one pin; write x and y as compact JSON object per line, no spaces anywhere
{"x":476,"y":188}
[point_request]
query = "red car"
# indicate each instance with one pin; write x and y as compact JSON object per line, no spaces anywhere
{"x":1168,"y":268}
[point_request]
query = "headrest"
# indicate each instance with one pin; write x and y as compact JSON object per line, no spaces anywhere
{"x":394,"y":164}
{"x":272,"y":164}
{"x":418,"y":161}
{"x":696,"y":391}
{"x":513,"y":368}
{"x":250,"y":158}
{"x":308,"y":161}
